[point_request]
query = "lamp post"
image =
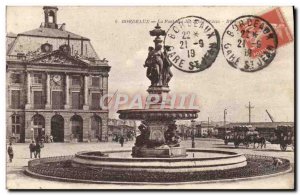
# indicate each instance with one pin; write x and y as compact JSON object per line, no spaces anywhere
{"x":193,"y":133}
{"x":225,"y":112}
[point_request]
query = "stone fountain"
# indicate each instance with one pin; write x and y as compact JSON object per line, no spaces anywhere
{"x":157,"y":155}
{"x":158,"y":129}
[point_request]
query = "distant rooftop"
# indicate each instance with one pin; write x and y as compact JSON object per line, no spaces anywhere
{"x":53,"y":33}
{"x":28,"y":44}
{"x":258,"y":124}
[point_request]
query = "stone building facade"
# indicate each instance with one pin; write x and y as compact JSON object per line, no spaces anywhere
{"x":121,"y":127}
{"x":55,"y":80}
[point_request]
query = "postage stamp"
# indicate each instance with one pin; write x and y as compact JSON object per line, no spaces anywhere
{"x":193,"y":43}
{"x":249,"y":43}
{"x":277,"y":20}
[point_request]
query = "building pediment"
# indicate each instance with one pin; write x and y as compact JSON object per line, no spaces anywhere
{"x":58,"y":57}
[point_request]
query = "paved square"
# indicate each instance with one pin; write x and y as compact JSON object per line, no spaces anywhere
{"x":17,"y":180}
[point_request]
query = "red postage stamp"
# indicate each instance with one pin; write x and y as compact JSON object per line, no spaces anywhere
{"x":277,"y":20}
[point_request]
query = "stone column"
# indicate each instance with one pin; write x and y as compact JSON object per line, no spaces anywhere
{"x":86,"y":131}
{"x":8,"y":91}
{"x":67,"y":90}
{"x":101,"y":82}
{"x":105,"y":87}
{"x":86,"y":93}
{"x":104,"y":118}
{"x":28,"y":104}
{"x":48,"y":85}
{"x":28,"y":127}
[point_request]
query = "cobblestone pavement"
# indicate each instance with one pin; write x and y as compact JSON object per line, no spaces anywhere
{"x":17,"y":179}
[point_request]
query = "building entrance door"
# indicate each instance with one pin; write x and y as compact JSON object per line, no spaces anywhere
{"x":77,"y":128}
{"x":96,"y":127}
{"x":57,"y":128}
{"x":38,"y":127}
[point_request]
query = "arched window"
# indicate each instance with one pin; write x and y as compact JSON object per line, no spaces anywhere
{"x":16,"y":124}
{"x":77,"y":128}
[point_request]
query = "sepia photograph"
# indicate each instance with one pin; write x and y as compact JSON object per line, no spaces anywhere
{"x":150,"y":97}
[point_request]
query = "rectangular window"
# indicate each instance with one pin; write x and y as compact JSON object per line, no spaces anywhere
{"x":15,"y":99}
{"x":16,"y":125}
{"x":76,"y":80}
{"x":57,"y":100}
{"x":18,"y":129}
{"x":38,"y":100}
{"x":95,"y":101}
{"x":95,"y":81}
{"x":76,"y":100}
{"x":37,"y":78}
{"x":13,"y":129}
{"x":16,"y":78}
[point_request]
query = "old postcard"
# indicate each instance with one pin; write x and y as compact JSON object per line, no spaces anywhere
{"x":150,"y":97}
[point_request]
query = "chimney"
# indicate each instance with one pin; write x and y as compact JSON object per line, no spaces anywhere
{"x":69,"y":40}
{"x":81,"y":46}
{"x":63,"y":27}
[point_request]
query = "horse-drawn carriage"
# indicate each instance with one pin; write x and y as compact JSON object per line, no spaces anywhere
{"x":245,"y":135}
{"x":284,"y":136}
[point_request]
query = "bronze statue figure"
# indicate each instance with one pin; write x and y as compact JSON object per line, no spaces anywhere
{"x":158,"y":66}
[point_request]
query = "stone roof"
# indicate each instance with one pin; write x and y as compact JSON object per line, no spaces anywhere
{"x":53,"y":33}
{"x":11,"y":35}
{"x":29,"y":44}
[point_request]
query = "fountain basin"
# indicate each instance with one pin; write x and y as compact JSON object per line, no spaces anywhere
{"x":60,"y":168}
{"x":220,"y":160}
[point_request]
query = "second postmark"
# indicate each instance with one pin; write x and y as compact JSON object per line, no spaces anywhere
{"x":193,"y":44}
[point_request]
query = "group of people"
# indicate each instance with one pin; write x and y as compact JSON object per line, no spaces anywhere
{"x":46,"y":138}
{"x":35,"y":149}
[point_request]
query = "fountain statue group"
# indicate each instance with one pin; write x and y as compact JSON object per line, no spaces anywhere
{"x":158,"y":66}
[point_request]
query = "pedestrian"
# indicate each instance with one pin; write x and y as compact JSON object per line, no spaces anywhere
{"x":38,"y":147}
{"x":121,"y":140}
{"x":32,"y":149}
{"x":51,"y":138}
{"x":10,"y":152}
{"x":47,"y":139}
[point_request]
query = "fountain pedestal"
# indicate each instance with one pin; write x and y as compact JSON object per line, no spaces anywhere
{"x":158,"y":126}
{"x":156,"y":144}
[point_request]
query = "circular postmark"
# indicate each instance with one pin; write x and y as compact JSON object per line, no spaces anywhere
{"x":249,"y":43}
{"x":193,"y":44}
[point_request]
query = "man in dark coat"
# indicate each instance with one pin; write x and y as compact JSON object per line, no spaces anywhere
{"x":10,"y":152}
{"x":38,"y":147}
{"x":32,"y":148}
{"x":121,"y":141}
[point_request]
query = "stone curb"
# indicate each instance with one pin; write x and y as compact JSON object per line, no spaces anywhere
{"x":39,"y":176}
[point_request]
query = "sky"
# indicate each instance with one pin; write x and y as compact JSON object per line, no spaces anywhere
{"x":125,"y":46}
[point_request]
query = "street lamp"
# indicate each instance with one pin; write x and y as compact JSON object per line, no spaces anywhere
{"x":225,"y":112}
{"x":193,"y":133}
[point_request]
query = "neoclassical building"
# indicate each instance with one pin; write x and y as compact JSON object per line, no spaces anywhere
{"x":55,"y":80}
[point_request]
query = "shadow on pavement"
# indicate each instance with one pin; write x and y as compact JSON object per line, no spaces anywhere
{"x":218,"y":144}
{"x":272,"y":150}
{"x":229,"y":147}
